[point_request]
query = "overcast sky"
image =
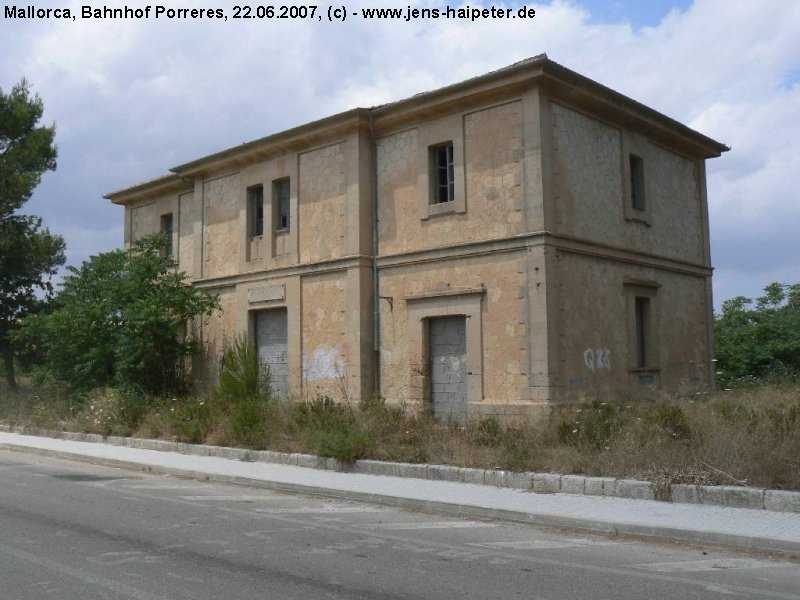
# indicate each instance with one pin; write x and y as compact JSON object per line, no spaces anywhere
{"x":133,"y":98}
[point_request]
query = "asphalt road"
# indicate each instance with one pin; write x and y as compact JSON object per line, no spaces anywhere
{"x":70,"y":530}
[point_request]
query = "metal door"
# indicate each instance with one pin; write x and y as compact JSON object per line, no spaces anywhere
{"x":271,"y":342}
{"x":448,"y":367}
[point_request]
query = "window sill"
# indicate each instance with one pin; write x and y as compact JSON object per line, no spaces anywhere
{"x":639,"y":219}
{"x":646,"y":375}
{"x":442,"y":208}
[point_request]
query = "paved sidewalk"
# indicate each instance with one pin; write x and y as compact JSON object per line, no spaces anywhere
{"x":702,"y":524}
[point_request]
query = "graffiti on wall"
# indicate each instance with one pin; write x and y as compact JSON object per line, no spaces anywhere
{"x":323,"y":363}
{"x":597,"y":359}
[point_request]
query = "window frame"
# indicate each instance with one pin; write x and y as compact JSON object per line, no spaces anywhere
{"x":282,"y":205}
{"x":430,"y":135}
{"x":167,"y":227}
{"x":636,"y":202}
{"x":642,"y":330}
{"x":255,"y":205}
{"x":644,"y":356}
{"x":442,"y":173}
{"x":636,"y":192}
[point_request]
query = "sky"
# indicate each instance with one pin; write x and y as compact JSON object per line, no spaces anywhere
{"x":132,"y":98}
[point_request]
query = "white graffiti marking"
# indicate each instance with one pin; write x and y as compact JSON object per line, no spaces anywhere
{"x":322,"y":364}
{"x":597,"y":359}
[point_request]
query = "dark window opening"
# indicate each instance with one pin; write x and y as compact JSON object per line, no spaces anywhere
{"x":255,"y":199}
{"x":443,"y":173}
{"x":281,"y":194}
{"x":637,"y":182}
{"x":642,"y":318}
{"x":166,"y":229}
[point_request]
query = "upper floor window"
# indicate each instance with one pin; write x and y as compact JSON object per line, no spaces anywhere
{"x":255,"y":207}
{"x":442,"y":173}
{"x":281,"y":193}
{"x":637,"y":183}
{"x":167,"y":229}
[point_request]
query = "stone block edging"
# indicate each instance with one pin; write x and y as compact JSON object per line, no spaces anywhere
{"x":544,"y":483}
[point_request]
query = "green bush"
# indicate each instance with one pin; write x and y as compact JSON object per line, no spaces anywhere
{"x":566,"y":430}
{"x":110,"y":411}
{"x":252,"y":423}
{"x":192,"y":419}
{"x":517,"y":451}
{"x":671,"y":419}
{"x":593,"y":425}
{"x":330,"y":428}
{"x":488,"y":432}
{"x":120,"y":321}
{"x":759,"y":340}
{"x":322,"y":412}
{"x":346,"y":442}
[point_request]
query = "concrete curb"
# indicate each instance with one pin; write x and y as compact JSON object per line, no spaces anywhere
{"x":545,"y":483}
{"x":693,"y":536}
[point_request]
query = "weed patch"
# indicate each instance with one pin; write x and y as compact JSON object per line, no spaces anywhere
{"x":745,"y":437}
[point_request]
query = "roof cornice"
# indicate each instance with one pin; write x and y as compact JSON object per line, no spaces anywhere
{"x":159,"y":186}
{"x":301,"y":137}
{"x":567,"y":85}
{"x":562,"y":84}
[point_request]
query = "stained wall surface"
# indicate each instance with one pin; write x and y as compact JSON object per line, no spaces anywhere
{"x":324,"y":335}
{"x":492,"y":178}
{"x":596,"y":343}
{"x":592,"y":188}
{"x":146,"y":216}
{"x":222,"y":226}
{"x":503,"y":357}
{"x":322,"y":199}
{"x":188,"y":214}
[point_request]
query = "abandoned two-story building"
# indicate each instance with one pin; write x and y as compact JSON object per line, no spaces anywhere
{"x":524,"y":238}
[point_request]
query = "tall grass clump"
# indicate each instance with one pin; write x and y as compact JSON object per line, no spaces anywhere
{"x":244,"y":394}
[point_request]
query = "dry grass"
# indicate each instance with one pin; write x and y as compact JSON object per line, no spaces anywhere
{"x":745,"y":437}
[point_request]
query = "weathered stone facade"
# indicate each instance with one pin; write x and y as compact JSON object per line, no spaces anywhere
{"x":557,"y":228}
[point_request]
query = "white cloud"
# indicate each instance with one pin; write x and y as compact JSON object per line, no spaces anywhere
{"x":132,"y":99}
